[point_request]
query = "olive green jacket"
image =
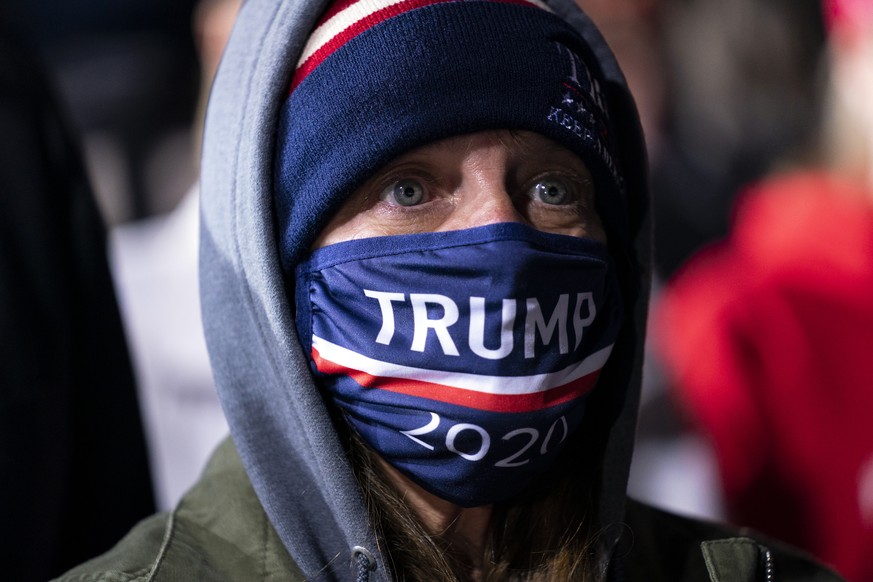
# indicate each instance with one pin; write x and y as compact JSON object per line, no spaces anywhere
{"x":219,"y":532}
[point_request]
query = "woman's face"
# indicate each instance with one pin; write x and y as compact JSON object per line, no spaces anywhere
{"x":473,"y":180}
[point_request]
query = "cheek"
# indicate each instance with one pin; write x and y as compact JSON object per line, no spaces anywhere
{"x":344,"y":227}
{"x":570,"y":222}
{"x":384,"y":219}
{"x":592,"y":227}
{"x":390,"y":219}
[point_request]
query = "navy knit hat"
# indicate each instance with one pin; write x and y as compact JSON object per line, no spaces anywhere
{"x":378,"y":78}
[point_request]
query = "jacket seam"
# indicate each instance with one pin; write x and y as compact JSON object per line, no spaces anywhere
{"x":263,"y":557}
{"x":134,"y":576}
{"x":165,"y":547}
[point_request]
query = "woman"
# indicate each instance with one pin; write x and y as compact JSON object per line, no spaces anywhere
{"x":447,"y":213}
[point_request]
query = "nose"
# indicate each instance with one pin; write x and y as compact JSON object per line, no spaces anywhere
{"x":488,"y":204}
{"x":483,"y":198}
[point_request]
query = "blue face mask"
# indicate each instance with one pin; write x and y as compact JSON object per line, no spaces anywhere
{"x":462,"y":358}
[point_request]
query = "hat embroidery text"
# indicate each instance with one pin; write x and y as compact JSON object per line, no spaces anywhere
{"x":582,"y":109}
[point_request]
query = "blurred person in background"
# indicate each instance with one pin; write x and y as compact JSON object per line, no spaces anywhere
{"x":742,"y":94}
{"x":74,"y":472}
{"x":725,"y":92}
{"x":127,"y":73}
{"x":154,"y":263}
{"x":673,"y":466}
{"x":768,"y":334}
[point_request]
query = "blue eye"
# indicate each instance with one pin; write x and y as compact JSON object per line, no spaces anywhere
{"x":551,"y":191}
{"x":407,"y":192}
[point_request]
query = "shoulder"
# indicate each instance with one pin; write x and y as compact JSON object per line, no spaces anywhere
{"x":132,"y":559}
{"x":664,"y":546}
{"x":218,"y":532}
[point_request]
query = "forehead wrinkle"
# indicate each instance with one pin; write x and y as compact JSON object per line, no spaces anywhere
{"x":529,"y":143}
{"x":518,"y":144}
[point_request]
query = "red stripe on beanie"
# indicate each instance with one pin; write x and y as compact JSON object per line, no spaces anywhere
{"x":363,"y":24}
{"x":354,"y":30}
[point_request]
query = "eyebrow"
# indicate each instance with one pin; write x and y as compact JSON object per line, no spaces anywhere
{"x":513,"y":139}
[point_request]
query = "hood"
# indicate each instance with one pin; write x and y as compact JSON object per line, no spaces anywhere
{"x":278,"y":418}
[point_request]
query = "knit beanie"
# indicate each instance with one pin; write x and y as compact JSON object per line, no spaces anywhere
{"x":378,"y":78}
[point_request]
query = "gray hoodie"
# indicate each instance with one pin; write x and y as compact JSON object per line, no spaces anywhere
{"x":278,"y":418}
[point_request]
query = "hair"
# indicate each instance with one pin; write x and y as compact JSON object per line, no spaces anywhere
{"x":544,"y":535}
